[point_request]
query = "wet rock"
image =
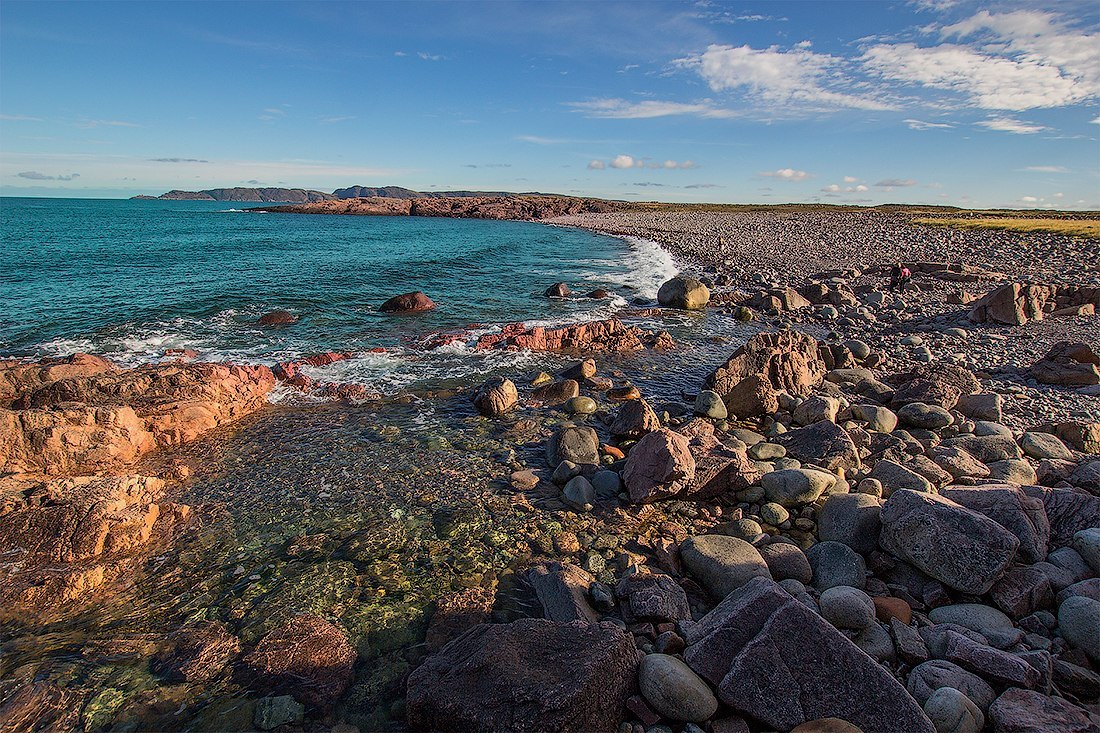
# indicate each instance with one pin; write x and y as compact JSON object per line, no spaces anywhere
{"x":496,"y":397}
{"x":634,"y":419}
{"x":779,"y":662}
{"x":579,"y":493}
{"x":659,"y":466}
{"x":722,"y":564}
{"x":271,"y":712}
{"x":557,"y":290}
{"x":456,"y":613}
{"x":1023,"y":711}
{"x":529,"y":675}
{"x":609,"y":336}
{"x":824,"y":444}
{"x":196,"y":653}
{"x":955,"y":545}
{"x":414,"y":302}
{"x":41,"y":706}
{"x":308,"y":658}
{"x":557,"y":392}
{"x":607,"y":484}
{"x":1011,"y":508}
{"x":277,"y":318}
{"x":852,"y":519}
{"x":674,"y":690}
{"x":580,"y":371}
{"x":683,"y":292}
{"x":795,"y":486}
{"x":576,"y":444}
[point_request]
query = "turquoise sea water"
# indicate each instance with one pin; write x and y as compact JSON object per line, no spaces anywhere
{"x":130,"y":279}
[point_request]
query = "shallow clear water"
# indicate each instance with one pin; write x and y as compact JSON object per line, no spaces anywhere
{"x":130,"y":279}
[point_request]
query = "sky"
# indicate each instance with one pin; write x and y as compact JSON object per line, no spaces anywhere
{"x":981,"y":105}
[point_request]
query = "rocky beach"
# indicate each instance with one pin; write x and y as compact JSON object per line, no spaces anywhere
{"x":783,"y":496}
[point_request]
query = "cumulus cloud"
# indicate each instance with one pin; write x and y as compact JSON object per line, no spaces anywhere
{"x":1095,"y":121}
{"x":596,"y":165}
{"x":177,"y":160}
{"x":1007,"y":124}
{"x":622,"y":109}
{"x":794,"y":78}
{"x":851,"y":179}
{"x":837,"y":188}
{"x":36,"y":176}
{"x":626,"y":161}
{"x":787,"y":174}
{"x":922,"y":125}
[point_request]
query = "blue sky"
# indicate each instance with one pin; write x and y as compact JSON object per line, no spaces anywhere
{"x":923,"y":101}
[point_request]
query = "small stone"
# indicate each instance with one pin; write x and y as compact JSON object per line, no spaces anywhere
{"x":847,"y":608}
{"x":836,"y":564}
{"x":786,"y":562}
{"x":579,"y":493}
{"x":580,"y":405}
{"x":271,"y":712}
{"x":766,"y":451}
{"x":953,"y":712}
{"x":920,"y":415}
{"x":887,"y":608}
{"x":774,"y":514}
{"x":710,"y":404}
{"x":791,"y":487}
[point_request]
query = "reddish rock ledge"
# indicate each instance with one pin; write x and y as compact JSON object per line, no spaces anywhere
{"x":595,"y":336}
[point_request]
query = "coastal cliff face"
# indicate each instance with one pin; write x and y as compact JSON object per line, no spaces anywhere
{"x":472,"y":207}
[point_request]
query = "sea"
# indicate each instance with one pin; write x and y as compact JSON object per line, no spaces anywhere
{"x":134,"y":279}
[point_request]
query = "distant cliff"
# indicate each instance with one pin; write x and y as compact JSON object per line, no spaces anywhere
{"x":524,"y":207}
{"x":301,"y":196}
{"x":264,"y":195}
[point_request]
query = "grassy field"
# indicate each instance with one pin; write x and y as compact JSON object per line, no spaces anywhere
{"x":1067,"y":226}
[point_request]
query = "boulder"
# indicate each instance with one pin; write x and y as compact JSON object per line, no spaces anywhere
{"x":775,"y":660}
{"x":572,"y":443}
{"x":815,"y":409}
{"x":852,"y":519}
{"x":1022,"y":591}
{"x":674,"y":690}
{"x":955,"y":545}
{"x":720,"y":470}
{"x":558,"y":290}
{"x":1011,"y":508}
{"x":751,"y":397}
{"x":824,"y":444}
{"x":788,"y":360}
{"x":1012,"y":304}
{"x":659,"y":466}
{"x":496,"y":397}
{"x":795,"y":486}
{"x":846,"y":607}
{"x":557,"y":392}
{"x":307,"y":657}
{"x":562,"y":589}
{"x":1068,"y":364}
{"x":879,"y":419}
{"x":196,"y":653}
{"x":981,"y":406}
{"x":1087,"y":544}
{"x":1067,"y":512}
{"x":1042,"y":446}
{"x":709,"y":404}
{"x":610,"y":336}
{"x":927,"y":417}
{"x":927,"y":677}
{"x":896,"y":477}
{"x":1079,"y":624}
{"x":277,"y":318}
{"x":986,"y":448}
{"x":953,"y":712}
{"x":634,"y":419}
{"x":958,"y":462}
{"x":654,"y":597}
{"x":683,"y":292}
{"x":786,"y":562}
{"x":722,"y":564}
{"x":835,"y":564}
{"x":415,"y":302}
{"x":1025,"y":711}
{"x":527,"y":676}
{"x":991,"y":664}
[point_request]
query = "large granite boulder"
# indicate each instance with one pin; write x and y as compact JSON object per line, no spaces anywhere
{"x":634,"y":419}
{"x":823,"y":444}
{"x":1068,"y":512}
{"x":1068,"y":364}
{"x":788,"y":360}
{"x":526,"y":676}
{"x":719,"y":471}
{"x":1011,"y":508}
{"x":1025,"y":711}
{"x":773,"y":659}
{"x":415,"y":302}
{"x":684,"y":292}
{"x":572,"y":443}
{"x":955,"y":545}
{"x":722,"y":564}
{"x":562,"y":589}
{"x":659,"y":466}
{"x":495,"y":397}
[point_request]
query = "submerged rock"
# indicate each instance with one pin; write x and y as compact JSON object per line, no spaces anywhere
{"x":414,"y":302}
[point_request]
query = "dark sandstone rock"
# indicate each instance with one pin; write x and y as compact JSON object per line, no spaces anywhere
{"x":196,"y":653}
{"x":496,"y":397}
{"x":415,"y":302}
{"x":660,"y":466}
{"x":824,"y":444}
{"x":788,"y":360}
{"x":277,"y":318}
{"x":634,"y":419}
{"x":563,"y":592}
{"x":576,"y":444}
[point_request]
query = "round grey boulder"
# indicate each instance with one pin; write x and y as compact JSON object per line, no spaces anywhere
{"x":580,"y":405}
{"x":774,"y":514}
{"x":879,"y":419}
{"x":846,"y":607}
{"x":684,"y":292}
{"x":766,"y":451}
{"x":953,"y":712}
{"x":1087,"y":544}
{"x":920,"y":415}
{"x":787,"y":562}
{"x":710,"y":404}
{"x":834,"y":563}
{"x":1043,"y":446}
{"x":674,"y":691}
{"x":927,"y":677}
{"x":579,"y":493}
{"x":852,"y":519}
{"x":1079,"y":624}
{"x":722,"y":564}
{"x":794,"y":486}
{"x":607,"y":484}
{"x":978,"y":617}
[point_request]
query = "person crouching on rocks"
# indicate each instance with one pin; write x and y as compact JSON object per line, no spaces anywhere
{"x":900,"y":276}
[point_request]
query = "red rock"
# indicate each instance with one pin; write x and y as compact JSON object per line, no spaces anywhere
{"x":637,"y":705}
{"x":466,"y":207}
{"x":308,"y":658}
{"x":182,"y":354}
{"x":787,"y":360}
{"x":887,"y":607}
{"x":612,"y":451}
{"x":415,"y":302}
{"x":18,"y":377}
{"x":277,"y":318}
{"x":196,"y":653}
{"x":634,"y":419}
{"x":457,"y":613}
{"x":1023,"y":711}
{"x":625,"y":393}
{"x":594,"y":336}
{"x":496,"y":397}
{"x":1068,"y":364}
{"x":660,"y":466}
{"x":598,"y":294}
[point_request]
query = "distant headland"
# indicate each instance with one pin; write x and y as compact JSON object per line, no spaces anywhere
{"x":302,"y":195}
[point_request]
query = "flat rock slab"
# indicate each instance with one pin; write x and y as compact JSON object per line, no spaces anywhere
{"x":779,"y":662}
{"x":526,"y":676}
{"x":1011,"y":508}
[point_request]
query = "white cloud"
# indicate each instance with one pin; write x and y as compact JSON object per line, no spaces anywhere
{"x":1007,"y":124}
{"x":796,"y":78}
{"x":400,"y":53}
{"x":623,"y":109}
{"x":1095,"y":121}
{"x":596,"y":165}
{"x":1046,"y":169}
{"x":36,"y":176}
{"x":19,"y":118}
{"x":836,"y":188}
{"x":334,"y":120}
{"x":626,"y":161}
{"x":92,"y":124}
{"x":922,"y":125}
{"x":787,"y":174}
{"x":991,"y":82}
{"x":851,"y":179}
{"x":1029,"y":199}
{"x":831,"y":188}
{"x":891,"y":183}
{"x":430,"y":56}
